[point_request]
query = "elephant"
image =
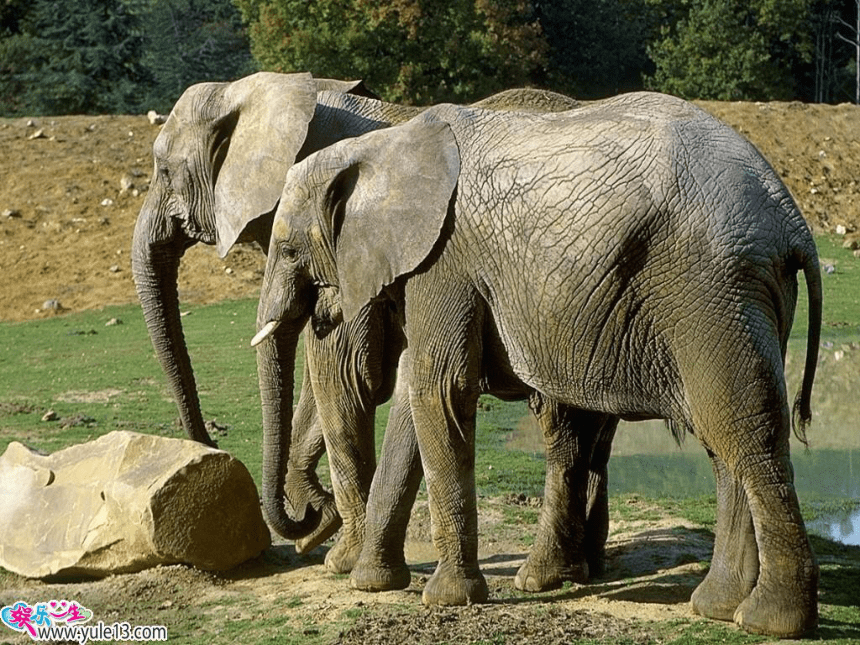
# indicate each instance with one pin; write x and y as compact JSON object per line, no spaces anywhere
{"x":220,"y":161}
{"x":634,"y":257}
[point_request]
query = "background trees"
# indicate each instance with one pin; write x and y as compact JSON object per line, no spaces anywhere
{"x":62,"y":56}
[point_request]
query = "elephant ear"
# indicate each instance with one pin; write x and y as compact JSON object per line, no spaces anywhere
{"x":358,"y":88}
{"x":264,"y":127}
{"x":387,"y":205}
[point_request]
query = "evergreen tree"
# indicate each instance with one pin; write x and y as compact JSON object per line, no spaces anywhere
{"x":190,"y":41}
{"x":73,"y":56}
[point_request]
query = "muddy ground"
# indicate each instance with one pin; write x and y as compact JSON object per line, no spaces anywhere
{"x":70,"y":191}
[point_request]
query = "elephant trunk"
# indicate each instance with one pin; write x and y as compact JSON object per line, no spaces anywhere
{"x":155,"y":265}
{"x":276,"y":360}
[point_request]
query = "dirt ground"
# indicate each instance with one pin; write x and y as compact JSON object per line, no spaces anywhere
{"x":70,"y":191}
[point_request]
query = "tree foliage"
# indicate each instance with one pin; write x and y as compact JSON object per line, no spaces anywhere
{"x":60,"y":56}
{"x":732,"y":49}
{"x":414,"y":51}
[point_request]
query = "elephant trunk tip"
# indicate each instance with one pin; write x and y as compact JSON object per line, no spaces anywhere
{"x":291,"y":529}
{"x":267,"y":330}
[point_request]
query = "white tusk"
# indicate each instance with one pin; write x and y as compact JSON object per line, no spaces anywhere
{"x":265,"y":332}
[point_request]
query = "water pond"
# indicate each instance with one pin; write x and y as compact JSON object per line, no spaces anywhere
{"x":646,"y":460}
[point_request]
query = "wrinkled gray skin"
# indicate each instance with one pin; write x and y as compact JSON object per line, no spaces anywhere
{"x":634,"y":257}
{"x":220,"y":161}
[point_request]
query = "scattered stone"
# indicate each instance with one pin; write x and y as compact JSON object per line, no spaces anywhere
{"x":107,"y":202}
{"x":31,"y":123}
{"x":828,"y":268}
{"x":11,"y":213}
{"x":52,"y":305}
{"x":38,"y":134}
{"x":856,"y":253}
{"x":155,"y":118}
{"x":78,"y":421}
{"x":114,"y":268}
{"x":228,"y":270}
{"x":113,"y":321}
{"x":126,"y":183}
{"x":841,"y":230}
{"x":212,"y":427}
{"x":126,"y":502}
{"x":852,"y":241}
{"x":50,"y":415}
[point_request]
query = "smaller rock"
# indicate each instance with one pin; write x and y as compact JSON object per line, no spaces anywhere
{"x":113,"y":321}
{"x":107,"y":202}
{"x":841,"y":230}
{"x":38,"y":134}
{"x":52,"y":305}
{"x":11,"y":213}
{"x":828,"y":268}
{"x":114,"y":268}
{"x":31,"y":123}
{"x":50,"y":415}
{"x":126,"y":183}
{"x":155,"y":118}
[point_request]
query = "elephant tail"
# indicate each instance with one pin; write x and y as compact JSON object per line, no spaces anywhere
{"x":802,"y":411}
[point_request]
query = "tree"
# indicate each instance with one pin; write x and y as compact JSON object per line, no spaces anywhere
{"x":190,"y":41}
{"x":413,"y":51}
{"x":73,"y":56}
{"x":597,"y":48}
{"x":733,"y":49}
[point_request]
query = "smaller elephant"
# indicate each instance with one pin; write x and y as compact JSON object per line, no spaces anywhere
{"x":634,"y":258}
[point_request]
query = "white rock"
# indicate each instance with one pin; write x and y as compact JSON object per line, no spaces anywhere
{"x":155,"y":118}
{"x":841,"y":230}
{"x":125,"y":502}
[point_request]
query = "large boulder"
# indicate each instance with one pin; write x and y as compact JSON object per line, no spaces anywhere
{"x":125,"y":502}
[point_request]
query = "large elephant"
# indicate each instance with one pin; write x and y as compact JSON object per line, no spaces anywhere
{"x":634,"y":257}
{"x":220,"y":161}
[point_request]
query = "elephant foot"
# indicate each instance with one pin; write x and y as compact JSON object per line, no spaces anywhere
{"x":596,"y":561}
{"x":777,"y":614}
{"x":329,"y":524}
{"x":368,"y":576}
{"x":450,"y":585}
{"x":342,"y":557}
{"x":717,"y":597}
{"x":540,"y":575}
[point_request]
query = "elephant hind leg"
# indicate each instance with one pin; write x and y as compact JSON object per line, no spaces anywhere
{"x":734,"y":566}
{"x":559,"y":552}
{"x":740,"y":411}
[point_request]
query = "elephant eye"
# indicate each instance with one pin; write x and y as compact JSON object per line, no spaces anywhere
{"x":288,"y":252}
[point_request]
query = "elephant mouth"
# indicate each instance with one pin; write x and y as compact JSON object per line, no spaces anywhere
{"x":267,"y":330}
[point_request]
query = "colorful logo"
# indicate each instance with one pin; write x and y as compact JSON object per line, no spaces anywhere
{"x":27,"y":619}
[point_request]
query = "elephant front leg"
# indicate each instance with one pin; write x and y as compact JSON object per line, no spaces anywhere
{"x":381,"y":565}
{"x":558,"y":554}
{"x":734,"y":566}
{"x":302,"y":486}
{"x":447,"y":445}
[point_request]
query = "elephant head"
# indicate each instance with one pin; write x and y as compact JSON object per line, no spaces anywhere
{"x":329,"y":253}
{"x":328,"y":257}
{"x":219,"y":140}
